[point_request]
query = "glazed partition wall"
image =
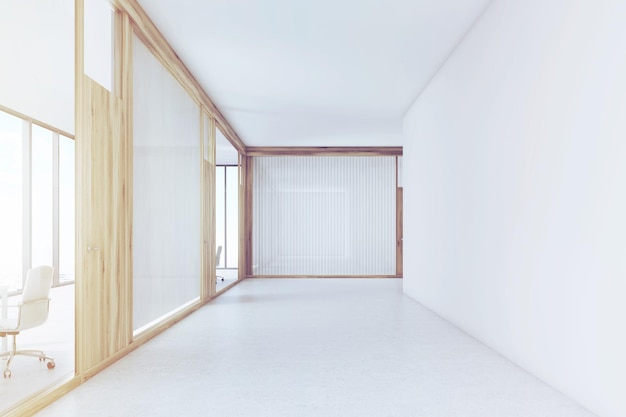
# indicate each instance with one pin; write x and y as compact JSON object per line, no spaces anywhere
{"x":37,"y":195}
{"x":324,"y":216}
{"x":166,"y":192}
{"x":227,"y":215}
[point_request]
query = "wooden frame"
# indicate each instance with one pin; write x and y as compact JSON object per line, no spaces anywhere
{"x":316,"y":151}
{"x":153,"y":38}
{"x":324,"y":276}
{"x":35,"y":121}
{"x":324,"y":151}
{"x":245,"y":218}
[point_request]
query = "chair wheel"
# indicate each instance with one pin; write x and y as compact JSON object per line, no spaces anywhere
{"x":51,"y":365}
{"x":7,"y":373}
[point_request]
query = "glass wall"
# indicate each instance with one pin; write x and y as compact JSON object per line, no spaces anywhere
{"x":42,"y":199}
{"x":329,"y":215}
{"x":232,"y":217}
{"x":36,"y":228}
{"x":11,"y":145}
{"x":37,"y":195}
{"x":66,"y":210}
{"x":220,"y":214}
{"x":227,"y":215}
{"x":166,"y":192}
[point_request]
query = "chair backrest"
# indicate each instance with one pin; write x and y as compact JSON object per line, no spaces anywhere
{"x":35,"y":297}
{"x":219,"y":254}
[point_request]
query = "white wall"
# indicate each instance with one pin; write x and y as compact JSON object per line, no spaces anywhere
{"x":37,"y":60}
{"x":515,"y":192}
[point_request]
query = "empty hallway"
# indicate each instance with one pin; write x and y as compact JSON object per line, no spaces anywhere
{"x":314,"y":347}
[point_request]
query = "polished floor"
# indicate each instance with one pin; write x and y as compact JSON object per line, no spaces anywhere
{"x":314,"y":347}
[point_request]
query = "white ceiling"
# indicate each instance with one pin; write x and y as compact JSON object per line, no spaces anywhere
{"x":314,"y":73}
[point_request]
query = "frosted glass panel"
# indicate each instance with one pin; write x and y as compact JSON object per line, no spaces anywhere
{"x":166,"y":191}
{"x":324,"y":216}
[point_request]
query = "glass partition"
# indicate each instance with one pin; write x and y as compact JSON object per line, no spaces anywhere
{"x":36,"y":222}
{"x":231,"y":256}
{"x":67,"y":218}
{"x":42,"y":198}
{"x":324,"y":215}
{"x":226,"y":211}
{"x":166,"y":192}
{"x":11,"y":145}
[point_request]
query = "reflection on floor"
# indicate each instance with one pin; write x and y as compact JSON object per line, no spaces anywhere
{"x":229,"y":275}
{"x":55,"y":338}
{"x":310,"y":348}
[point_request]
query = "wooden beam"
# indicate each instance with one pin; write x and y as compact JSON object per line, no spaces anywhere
{"x":323,"y":151}
{"x":324,"y":276}
{"x":35,"y":121}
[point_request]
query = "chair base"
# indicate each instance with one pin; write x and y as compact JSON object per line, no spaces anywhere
{"x":33,"y":353}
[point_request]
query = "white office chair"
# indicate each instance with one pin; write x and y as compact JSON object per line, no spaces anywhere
{"x":32,"y":312}
{"x":217,"y":260}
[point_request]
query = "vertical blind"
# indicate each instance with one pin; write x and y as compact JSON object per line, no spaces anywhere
{"x":324,"y":215}
{"x":166,"y":191}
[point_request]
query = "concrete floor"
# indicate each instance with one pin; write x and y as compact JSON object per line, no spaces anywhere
{"x":314,"y":347}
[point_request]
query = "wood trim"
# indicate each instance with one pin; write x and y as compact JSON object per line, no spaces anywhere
{"x":124,"y":32}
{"x":229,"y":133}
{"x":241,"y":220}
{"x":35,"y":121}
{"x":42,"y":399}
{"x":212,"y":213}
{"x":162,"y":49}
{"x":323,"y":151}
{"x":245,"y":267}
{"x":79,"y":95}
{"x":399,"y":231}
{"x":323,"y":276}
{"x":205,"y":268}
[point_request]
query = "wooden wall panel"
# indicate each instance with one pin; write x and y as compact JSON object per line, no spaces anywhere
{"x":105,"y":236}
{"x":104,"y":206}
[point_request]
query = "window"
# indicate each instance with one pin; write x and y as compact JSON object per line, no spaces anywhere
{"x":11,"y":145}
{"x":37,"y":194}
{"x":227,"y":215}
